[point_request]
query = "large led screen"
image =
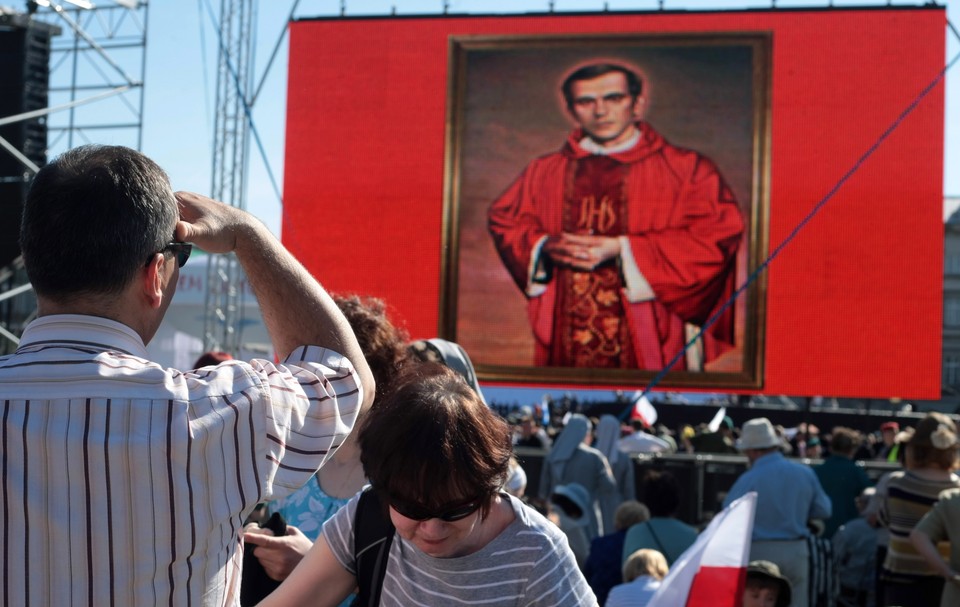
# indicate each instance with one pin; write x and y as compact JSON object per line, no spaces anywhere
{"x":740,"y":200}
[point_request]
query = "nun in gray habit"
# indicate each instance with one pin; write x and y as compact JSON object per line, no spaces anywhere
{"x":572,"y":461}
{"x":608,"y":436}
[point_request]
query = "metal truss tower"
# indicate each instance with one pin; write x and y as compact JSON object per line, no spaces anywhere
{"x":223,"y":313}
{"x":92,"y":91}
{"x":97,"y":72}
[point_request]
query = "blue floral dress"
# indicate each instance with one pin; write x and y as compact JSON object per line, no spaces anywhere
{"x":307,"y":509}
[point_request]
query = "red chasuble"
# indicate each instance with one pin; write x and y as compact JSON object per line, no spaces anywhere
{"x":683,"y":226}
{"x":590,"y":327}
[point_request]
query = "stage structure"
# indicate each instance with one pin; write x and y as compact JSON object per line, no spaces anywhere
{"x":428,"y":157}
{"x":223,"y":311}
{"x":97,"y":71}
{"x":96,"y":79}
{"x":81,"y":76}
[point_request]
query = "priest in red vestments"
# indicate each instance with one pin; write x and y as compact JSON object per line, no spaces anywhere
{"x":623,"y":244}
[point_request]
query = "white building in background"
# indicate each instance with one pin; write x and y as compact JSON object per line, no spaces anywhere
{"x":951,"y":300}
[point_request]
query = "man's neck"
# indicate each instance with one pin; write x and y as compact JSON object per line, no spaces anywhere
{"x":86,"y":305}
{"x":109,"y":307}
{"x":604,"y":148}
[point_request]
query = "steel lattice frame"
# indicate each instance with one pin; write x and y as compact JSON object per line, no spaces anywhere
{"x":223,"y":314}
{"x":96,"y":82}
{"x":97,"y":70}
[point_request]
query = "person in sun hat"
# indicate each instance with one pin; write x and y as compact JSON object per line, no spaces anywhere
{"x":766,"y":586}
{"x":788,"y":496}
{"x":570,"y":505}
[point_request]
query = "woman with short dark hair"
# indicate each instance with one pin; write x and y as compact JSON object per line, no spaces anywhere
{"x":436,"y":457}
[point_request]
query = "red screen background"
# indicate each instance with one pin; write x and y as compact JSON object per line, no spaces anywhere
{"x":853,"y":302}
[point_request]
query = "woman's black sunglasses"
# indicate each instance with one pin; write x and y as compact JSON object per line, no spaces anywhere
{"x":418,"y":513}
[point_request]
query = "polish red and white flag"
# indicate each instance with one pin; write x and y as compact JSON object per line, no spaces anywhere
{"x":643,"y":409}
{"x":712,"y":572}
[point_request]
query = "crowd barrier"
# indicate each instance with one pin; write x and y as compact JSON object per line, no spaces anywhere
{"x":705,"y":478}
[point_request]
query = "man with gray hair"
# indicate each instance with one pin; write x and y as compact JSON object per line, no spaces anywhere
{"x":788,"y":496}
{"x":123,"y":482}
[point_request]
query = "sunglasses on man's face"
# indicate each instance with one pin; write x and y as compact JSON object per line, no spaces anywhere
{"x":181,"y":250}
{"x":448,"y":515}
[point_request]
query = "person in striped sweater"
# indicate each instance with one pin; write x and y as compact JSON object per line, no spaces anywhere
{"x":932,"y":452}
{"x":122,"y":482}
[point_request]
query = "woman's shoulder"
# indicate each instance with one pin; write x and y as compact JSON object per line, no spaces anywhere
{"x":530,"y":522}
{"x":344,"y":517}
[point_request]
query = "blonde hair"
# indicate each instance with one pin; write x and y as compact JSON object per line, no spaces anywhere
{"x":645,"y":562}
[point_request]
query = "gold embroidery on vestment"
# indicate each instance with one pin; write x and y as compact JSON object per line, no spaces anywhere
{"x":596,"y":217}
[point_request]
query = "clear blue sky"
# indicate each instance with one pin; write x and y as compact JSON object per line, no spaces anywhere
{"x":181,"y":74}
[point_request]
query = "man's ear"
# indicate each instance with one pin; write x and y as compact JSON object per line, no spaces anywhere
{"x":639,"y":106}
{"x":152,"y":277}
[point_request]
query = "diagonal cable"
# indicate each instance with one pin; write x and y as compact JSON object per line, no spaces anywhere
{"x":796,"y":230}
{"x":246,"y":105}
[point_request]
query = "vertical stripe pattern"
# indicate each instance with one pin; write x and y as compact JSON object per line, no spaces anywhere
{"x":123,"y":483}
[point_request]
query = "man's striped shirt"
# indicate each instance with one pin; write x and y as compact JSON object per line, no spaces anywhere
{"x":123,"y":483}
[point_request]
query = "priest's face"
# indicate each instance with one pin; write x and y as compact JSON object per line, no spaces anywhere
{"x":605,"y":109}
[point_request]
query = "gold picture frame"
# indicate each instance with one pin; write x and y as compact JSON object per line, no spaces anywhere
{"x":708,"y":92}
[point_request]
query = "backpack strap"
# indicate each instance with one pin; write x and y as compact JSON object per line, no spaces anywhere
{"x":372,"y":536}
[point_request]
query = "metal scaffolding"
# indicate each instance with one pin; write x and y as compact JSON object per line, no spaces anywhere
{"x":97,"y":72}
{"x":97,"y":62}
{"x":223,"y":303}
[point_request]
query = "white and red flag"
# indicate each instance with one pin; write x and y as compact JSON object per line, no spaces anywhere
{"x":714,"y":424}
{"x":712,"y":572}
{"x":643,"y":410}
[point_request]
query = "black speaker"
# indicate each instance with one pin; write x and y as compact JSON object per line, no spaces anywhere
{"x":25,"y":57}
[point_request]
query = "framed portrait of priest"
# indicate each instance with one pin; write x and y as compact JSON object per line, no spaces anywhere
{"x":606,"y":204}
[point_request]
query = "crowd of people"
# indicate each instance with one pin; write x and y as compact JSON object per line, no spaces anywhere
{"x":363,"y":467}
{"x":833,"y":535}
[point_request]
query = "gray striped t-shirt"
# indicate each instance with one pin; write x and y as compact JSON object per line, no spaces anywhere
{"x":528,"y":564}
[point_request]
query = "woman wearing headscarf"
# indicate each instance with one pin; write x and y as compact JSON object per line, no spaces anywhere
{"x":608,"y":433}
{"x":572,"y":461}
